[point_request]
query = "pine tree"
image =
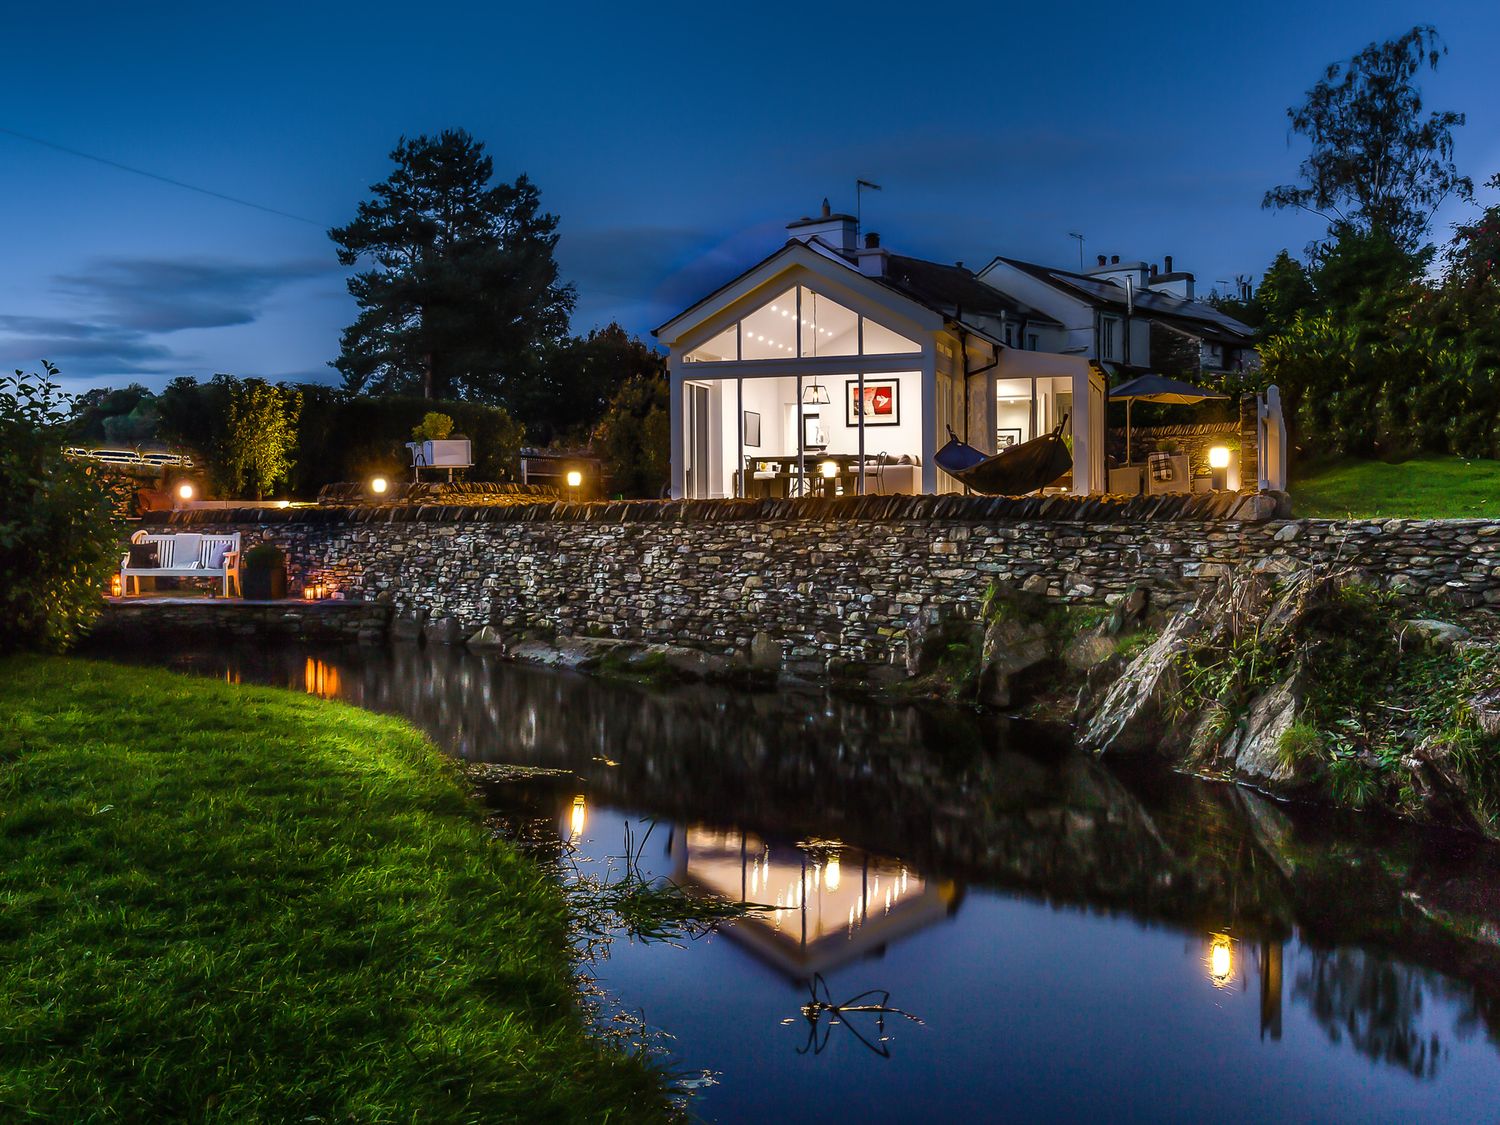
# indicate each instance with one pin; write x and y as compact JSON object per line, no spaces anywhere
{"x":464,"y":284}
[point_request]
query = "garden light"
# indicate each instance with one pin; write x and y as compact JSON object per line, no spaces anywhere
{"x":378,"y":485}
{"x":829,"y":469}
{"x":1218,"y":461}
{"x":575,"y":478}
{"x":185,"y":491}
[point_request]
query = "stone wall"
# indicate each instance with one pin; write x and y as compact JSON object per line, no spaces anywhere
{"x":824,"y":587}
{"x":317,"y":622}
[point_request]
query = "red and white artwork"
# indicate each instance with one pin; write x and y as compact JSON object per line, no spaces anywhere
{"x":880,"y":404}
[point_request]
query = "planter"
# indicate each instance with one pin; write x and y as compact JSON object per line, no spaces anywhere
{"x":265,"y":584}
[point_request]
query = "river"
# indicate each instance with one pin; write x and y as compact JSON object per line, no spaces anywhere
{"x":972,"y":921}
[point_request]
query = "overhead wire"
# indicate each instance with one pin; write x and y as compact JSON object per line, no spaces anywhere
{"x":156,"y":176}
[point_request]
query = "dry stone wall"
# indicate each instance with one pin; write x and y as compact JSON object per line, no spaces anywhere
{"x":821,"y":586}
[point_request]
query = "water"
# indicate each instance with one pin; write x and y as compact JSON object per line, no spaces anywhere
{"x":1076,"y":941}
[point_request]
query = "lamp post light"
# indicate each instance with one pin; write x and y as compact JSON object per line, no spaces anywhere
{"x":186,"y":491}
{"x":1218,"y":461}
{"x":378,"y":485}
{"x":575,"y":481}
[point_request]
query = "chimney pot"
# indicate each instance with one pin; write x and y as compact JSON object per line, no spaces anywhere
{"x":872,"y":241}
{"x":1114,"y":259}
{"x":1101,"y":259}
{"x":959,"y":264}
{"x":1153,"y":269}
{"x":827,"y":210}
{"x":1168,"y":260}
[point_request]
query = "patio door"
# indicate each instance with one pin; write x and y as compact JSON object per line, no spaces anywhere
{"x":696,"y":470}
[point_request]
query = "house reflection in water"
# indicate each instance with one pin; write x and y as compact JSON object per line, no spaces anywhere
{"x":831,"y":904}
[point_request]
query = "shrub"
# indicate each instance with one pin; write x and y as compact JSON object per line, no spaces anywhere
{"x":59,"y":539}
{"x":1299,"y":744}
{"x":433,"y":427}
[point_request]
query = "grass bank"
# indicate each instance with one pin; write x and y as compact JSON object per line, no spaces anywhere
{"x":239,"y":904}
{"x":1422,"y":488}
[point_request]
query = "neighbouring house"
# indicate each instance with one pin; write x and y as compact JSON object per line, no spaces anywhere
{"x":837,"y":367}
{"x":1107,"y":313}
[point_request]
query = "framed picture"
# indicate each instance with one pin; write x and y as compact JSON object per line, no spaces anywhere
{"x":752,"y":429}
{"x":881,"y":405}
{"x":813,"y":434}
{"x":1004,"y":439}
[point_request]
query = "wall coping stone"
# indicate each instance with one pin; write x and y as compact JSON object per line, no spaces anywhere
{"x":1246,"y":507}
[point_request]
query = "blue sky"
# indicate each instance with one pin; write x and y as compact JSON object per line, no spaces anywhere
{"x":673,"y":140}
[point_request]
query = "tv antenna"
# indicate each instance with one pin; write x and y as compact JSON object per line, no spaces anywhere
{"x":1075,"y":234}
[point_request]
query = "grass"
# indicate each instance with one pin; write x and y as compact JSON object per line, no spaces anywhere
{"x":238,"y":904}
{"x":1422,"y":488}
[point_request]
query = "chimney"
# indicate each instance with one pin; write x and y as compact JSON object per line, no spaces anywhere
{"x":1102,"y":260}
{"x":1168,"y":260}
{"x":1114,"y":259}
{"x":872,"y":259}
{"x":831,"y":228}
{"x":1153,"y":269}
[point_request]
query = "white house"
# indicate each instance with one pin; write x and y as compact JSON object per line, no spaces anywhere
{"x":834,"y":368}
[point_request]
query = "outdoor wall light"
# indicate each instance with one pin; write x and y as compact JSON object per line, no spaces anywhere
{"x":185,"y":491}
{"x":378,"y":485}
{"x":1218,"y":461}
{"x":575,"y":478}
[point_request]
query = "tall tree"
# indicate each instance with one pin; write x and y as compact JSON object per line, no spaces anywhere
{"x":463,"y":284}
{"x":1285,"y":293}
{"x":1379,"y":164}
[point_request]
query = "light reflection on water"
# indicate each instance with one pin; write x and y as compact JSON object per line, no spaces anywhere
{"x":1077,"y":941}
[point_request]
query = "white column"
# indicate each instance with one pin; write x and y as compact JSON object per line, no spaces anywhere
{"x":677,"y":451}
{"x":739,"y":429}
{"x":929,"y":415}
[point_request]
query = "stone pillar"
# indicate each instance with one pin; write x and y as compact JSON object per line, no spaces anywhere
{"x":1250,"y":441}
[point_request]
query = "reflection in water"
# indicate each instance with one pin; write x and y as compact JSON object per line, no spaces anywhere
{"x":867,"y":825}
{"x":820,"y":919}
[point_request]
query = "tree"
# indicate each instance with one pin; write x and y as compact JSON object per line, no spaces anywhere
{"x":463,"y":286}
{"x":260,"y":434}
{"x":633,"y":438}
{"x":59,"y":538}
{"x":1377,"y":165}
{"x":1285,"y":293}
{"x":575,"y":381}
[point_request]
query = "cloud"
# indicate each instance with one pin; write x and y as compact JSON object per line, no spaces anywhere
{"x":78,"y":347}
{"x":163,"y":295}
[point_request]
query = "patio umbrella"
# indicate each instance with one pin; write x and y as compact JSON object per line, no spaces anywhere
{"x":1156,"y":388}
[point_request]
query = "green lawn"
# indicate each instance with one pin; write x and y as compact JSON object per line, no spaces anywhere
{"x":1422,"y":488}
{"x":239,"y":904}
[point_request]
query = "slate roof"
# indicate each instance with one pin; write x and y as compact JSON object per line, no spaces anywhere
{"x":1198,"y":318}
{"x":954,"y":291}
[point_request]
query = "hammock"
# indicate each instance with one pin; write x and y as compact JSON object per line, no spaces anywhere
{"x":1015,"y":471}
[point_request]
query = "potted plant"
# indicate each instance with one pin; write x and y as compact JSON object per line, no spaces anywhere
{"x":434,"y":445}
{"x":263,"y":573}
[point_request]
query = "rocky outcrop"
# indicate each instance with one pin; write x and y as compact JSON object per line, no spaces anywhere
{"x":1012,"y":648}
{"x":1139,"y":713}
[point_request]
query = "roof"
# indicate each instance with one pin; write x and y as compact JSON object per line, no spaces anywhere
{"x":954,"y":291}
{"x":1197,"y":317}
{"x":950,"y":291}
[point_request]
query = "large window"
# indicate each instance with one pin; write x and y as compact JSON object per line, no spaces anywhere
{"x":801,"y":323}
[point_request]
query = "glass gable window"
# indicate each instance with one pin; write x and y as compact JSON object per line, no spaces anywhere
{"x":827,"y":328}
{"x":724,"y":346}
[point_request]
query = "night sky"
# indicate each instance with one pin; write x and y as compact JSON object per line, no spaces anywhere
{"x":674,"y":141}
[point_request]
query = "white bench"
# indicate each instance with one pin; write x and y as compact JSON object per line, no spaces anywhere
{"x":186,"y":555}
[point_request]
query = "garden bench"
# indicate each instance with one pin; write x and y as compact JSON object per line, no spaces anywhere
{"x":183,"y":555}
